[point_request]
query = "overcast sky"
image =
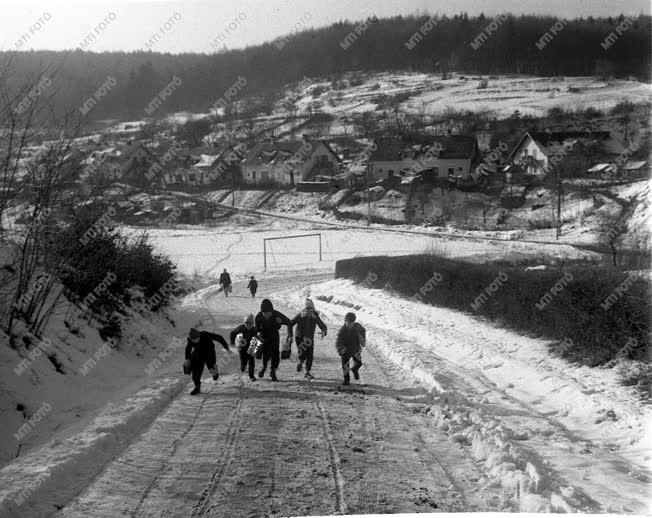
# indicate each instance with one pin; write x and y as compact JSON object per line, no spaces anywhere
{"x":204,"y":26}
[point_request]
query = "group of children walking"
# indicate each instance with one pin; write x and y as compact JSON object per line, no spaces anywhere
{"x":261,"y":334}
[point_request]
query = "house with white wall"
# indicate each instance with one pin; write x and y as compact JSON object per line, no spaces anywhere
{"x":537,"y":152}
{"x":449,"y":156}
{"x":288,"y":163}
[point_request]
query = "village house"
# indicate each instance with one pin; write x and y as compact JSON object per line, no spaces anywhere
{"x":212,"y":166}
{"x":449,"y":156}
{"x":289,"y":163}
{"x":538,"y":153}
{"x":135,"y":161}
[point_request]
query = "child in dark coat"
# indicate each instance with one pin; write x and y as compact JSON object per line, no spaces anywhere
{"x":268,"y":322}
{"x":253,"y":286}
{"x":351,"y":339}
{"x":248,"y":331}
{"x":306,"y":323}
{"x":200,"y":350}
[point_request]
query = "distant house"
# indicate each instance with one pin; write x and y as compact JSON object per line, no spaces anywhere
{"x":287,"y":163}
{"x":217,"y":165}
{"x":449,"y":156}
{"x":636,"y":168}
{"x":135,"y":162}
{"x":539,"y":152}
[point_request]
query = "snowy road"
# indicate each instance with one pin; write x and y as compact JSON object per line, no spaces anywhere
{"x":295,"y":447}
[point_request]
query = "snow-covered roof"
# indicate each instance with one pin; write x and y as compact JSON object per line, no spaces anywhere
{"x":206,"y":160}
{"x":634,"y":165}
{"x":598,"y":168}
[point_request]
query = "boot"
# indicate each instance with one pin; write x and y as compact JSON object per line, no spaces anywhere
{"x":299,"y":366}
{"x":195,"y":391}
{"x":261,"y":372}
{"x":252,"y":378}
{"x":307,"y":375}
{"x":347,"y":380}
{"x":273,"y":375}
{"x":356,"y":375}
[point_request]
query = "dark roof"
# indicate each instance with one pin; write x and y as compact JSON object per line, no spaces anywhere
{"x":452,"y":146}
{"x":280,"y":151}
{"x":204,"y":150}
{"x":129,"y":150}
{"x":559,"y":137}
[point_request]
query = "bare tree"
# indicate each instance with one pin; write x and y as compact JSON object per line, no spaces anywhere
{"x":32,"y":180}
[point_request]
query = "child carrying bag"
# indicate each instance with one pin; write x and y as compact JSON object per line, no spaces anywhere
{"x":286,"y":348}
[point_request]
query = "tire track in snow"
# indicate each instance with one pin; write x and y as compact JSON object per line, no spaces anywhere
{"x":334,"y":458}
{"x":228,"y":254}
{"x":380,"y":365}
{"x":235,"y":423}
{"x":165,"y":468}
{"x":338,"y":479}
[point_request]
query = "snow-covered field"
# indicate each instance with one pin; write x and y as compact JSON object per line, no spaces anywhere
{"x":240,"y":249}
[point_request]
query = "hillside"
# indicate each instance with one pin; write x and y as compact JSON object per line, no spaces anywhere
{"x":444,"y":46}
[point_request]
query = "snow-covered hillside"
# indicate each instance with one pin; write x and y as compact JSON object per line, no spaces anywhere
{"x":504,"y":94}
{"x":73,"y":373}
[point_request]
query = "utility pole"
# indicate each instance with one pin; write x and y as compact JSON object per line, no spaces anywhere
{"x":368,"y":196}
{"x":558,"y":201}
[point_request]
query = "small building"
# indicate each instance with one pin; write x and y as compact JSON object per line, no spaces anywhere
{"x":449,"y":156}
{"x":135,"y":162}
{"x":576,"y":150}
{"x":288,"y":163}
{"x":636,"y":169}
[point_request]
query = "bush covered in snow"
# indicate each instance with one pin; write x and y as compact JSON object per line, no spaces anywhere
{"x":598,"y":312}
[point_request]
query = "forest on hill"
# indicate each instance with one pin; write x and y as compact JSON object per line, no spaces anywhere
{"x":527,"y":44}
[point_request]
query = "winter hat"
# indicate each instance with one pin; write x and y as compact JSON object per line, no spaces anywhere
{"x":193,"y":334}
{"x":266,"y":305}
{"x":349,"y":317}
{"x":310,"y":304}
{"x":249,"y":318}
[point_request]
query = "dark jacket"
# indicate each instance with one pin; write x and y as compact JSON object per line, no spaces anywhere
{"x":225,"y":279}
{"x":205,"y":347}
{"x":253,"y":284}
{"x":247,"y":333}
{"x":349,"y":339}
{"x":267,"y":328}
{"x":306,"y":322}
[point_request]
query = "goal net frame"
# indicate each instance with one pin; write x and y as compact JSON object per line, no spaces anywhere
{"x":287,"y":237}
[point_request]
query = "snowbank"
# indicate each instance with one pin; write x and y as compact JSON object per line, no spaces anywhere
{"x":559,"y":437}
{"x":42,"y":481}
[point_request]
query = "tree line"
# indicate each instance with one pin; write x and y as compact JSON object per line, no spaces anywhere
{"x":508,"y":44}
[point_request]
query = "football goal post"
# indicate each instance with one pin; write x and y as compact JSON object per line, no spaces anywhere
{"x":318,"y":235}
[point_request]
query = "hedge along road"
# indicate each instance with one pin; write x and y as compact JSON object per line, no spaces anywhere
{"x":290,"y":448}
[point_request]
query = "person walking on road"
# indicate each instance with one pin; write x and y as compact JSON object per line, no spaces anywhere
{"x":306,"y":322}
{"x":268,"y":322}
{"x":225,"y":282}
{"x":253,"y":286}
{"x":248,"y":331}
{"x":350,"y":340}
{"x":200,"y":350}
